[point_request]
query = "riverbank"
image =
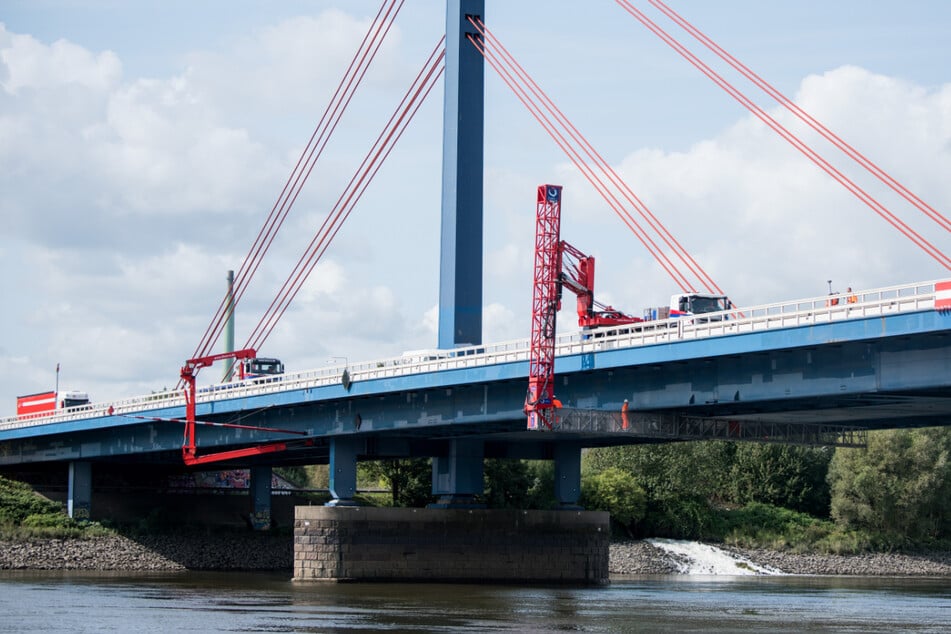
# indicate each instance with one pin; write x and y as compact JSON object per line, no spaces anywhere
{"x":152,"y":553}
{"x":641,"y":557}
{"x":261,"y":551}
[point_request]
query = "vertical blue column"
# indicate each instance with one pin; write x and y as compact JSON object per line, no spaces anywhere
{"x":260,"y":491}
{"x":457,"y":477}
{"x":79,"y":496}
{"x":460,"y":266}
{"x":568,"y":475}
{"x":343,"y":471}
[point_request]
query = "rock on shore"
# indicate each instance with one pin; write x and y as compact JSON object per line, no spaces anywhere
{"x":263,"y":551}
{"x":228,"y":551}
{"x":937,"y":564}
{"x":640,"y":557}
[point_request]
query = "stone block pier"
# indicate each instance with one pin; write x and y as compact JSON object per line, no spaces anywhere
{"x":450,"y":545}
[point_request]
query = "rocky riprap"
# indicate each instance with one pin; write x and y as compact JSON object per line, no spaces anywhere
{"x":638,"y":557}
{"x":251,"y":551}
{"x":268,"y":551}
{"x":936,"y":564}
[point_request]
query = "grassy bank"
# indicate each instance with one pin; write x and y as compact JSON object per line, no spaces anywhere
{"x":24,"y":514}
{"x":762,"y":526}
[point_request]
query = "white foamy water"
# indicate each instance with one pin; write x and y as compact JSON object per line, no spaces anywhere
{"x":694,"y":558}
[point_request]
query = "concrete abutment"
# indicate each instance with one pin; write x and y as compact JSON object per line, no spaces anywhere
{"x":450,"y":545}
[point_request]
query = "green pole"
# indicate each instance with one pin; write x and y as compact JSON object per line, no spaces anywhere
{"x":229,"y":327}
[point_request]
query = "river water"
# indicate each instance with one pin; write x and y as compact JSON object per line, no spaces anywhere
{"x":256,"y":602}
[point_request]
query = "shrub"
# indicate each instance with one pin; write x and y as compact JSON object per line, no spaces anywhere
{"x":18,"y":501}
{"x":616,"y":492}
{"x":507,"y":483}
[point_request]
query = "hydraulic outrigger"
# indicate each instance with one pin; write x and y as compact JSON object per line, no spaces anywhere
{"x":189,"y":449}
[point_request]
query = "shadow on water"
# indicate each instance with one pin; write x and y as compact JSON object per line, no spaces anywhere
{"x":271,"y":602}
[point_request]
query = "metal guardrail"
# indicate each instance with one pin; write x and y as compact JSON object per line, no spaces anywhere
{"x":918,"y":296}
{"x":666,"y":427}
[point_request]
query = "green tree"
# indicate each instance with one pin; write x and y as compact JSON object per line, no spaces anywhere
{"x":788,"y":476}
{"x":296,"y":475}
{"x":900,"y":486}
{"x":695,"y":469}
{"x":541,"y":491}
{"x":681,"y":480}
{"x":507,"y":484}
{"x":409,"y":479}
{"x":615,"y":491}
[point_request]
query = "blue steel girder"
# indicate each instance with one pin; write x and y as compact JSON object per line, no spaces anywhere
{"x":891,"y":371}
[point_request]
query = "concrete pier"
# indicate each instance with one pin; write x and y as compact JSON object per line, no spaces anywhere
{"x":450,"y":545}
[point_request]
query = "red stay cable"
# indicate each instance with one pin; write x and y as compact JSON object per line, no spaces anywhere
{"x":857,"y":191}
{"x":521,"y":88}
{"x":411,"y":102}
{"x":532,"y":106}
{"x":348,"y":200}
{"x":354,"y":81}
{"x":672,"y":243}
{"x":263,"y":336}
{"x":804,"y":116}
{"x":331,"y":219}
{"x":328,"y":122}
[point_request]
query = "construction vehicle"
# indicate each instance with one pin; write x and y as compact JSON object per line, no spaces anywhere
{"x":577,"y":275}
{"x":260,"y":369}
{"x":558,"y":265}
{"x":689,"y":306}
{"x":188,"y":375}
{"x":45,"y":403}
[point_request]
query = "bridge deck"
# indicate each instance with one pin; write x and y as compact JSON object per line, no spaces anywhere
{"x":799,"y":314}
{"x":791,"y":370}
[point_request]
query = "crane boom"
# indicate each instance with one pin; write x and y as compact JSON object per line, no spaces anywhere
{"x":557,"y":265}
{"x":546,"y":300}
{"x":189,"y":448}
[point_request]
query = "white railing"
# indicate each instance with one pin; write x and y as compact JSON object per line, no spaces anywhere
{"x":806,"y":312}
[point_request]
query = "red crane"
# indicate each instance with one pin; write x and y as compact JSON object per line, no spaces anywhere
{"x":557,"y":265}
{"x":189,"y":448}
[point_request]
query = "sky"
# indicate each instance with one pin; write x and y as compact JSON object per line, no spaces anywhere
{"x":143,"y":144}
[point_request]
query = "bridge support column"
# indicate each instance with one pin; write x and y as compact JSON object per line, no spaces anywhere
{"x":568,"y":475}
{"x":460,"y":266}
{"x":260,"y":490}
{"x":457,"y":477}
{"x":343,"y":471}
{"x":79,"y":497}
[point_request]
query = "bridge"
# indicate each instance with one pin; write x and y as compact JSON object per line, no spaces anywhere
{"x":808,"y":371}
{"x":800,"y":372}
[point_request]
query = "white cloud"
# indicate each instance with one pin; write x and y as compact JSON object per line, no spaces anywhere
{"x":768,"y":225}
{"x":292,"y":66}
{"x":32,"y":65}
{"x":125,"y":199}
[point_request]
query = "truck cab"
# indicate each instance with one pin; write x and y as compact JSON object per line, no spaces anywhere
{"x":690,"y":305}
{"x":262,"y":369}
{"x":72,"y":398}
{"x":46,"y":403}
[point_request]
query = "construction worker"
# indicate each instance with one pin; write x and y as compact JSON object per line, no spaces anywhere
{"x":625,"y":423}
{"x":833,"y":299}
{"x":851,"y":299}
{"x":556,"y":404}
